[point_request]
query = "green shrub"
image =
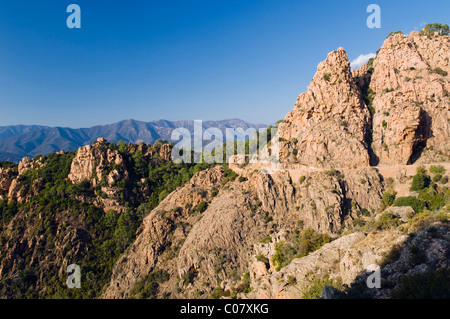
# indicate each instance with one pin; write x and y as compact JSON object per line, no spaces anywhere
{"x":302,"y":179}
{"x":284,"y":254}
{"x":365,"y":212}
{"x":266,"y":240}
{"x":437,"y":178}
{"x":242,"y":179}
{"x":332,"y":172}
{"x":395,"y":32}
{"x":410,"y":201}
{"x":431,"y":28}
{"x":327,"y":77}
{"x":437,"y":170}
{"x":302,"y":245}
{"x":420,"y":181}
{"x":147,"y":288}
{"x":433,"y":199}
{"x":201,"y":207}
{"x":189,"y":276}
{"x":217,"y":293}
{"x":246,"y":288}
{"x":314,"y":291}
{"x":358,"y":222}
{"x":439,"y":71}
{"x":387,"y":221}
{"x":292,"y":280}
{"x":389,"y":198}
{"x":214,"y":192}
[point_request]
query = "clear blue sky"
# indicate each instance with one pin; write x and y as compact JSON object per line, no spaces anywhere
{"x":176,"y":60}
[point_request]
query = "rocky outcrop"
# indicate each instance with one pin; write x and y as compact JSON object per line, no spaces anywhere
{"x":411,"y":102}
{"x":91,"y":162}
{"x":407,"y":90}
{"x":6,"y":178}
{"x":27,"y":164}
{"x":344,"y":258}
{"x":351,"y":258}
{"x":329,"y":123}
{"x":163,"y":151}
{"x":11,"y":185}
{"x":423,"y":253}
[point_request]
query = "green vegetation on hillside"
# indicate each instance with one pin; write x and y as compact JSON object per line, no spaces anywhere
{"x":62,"y":226}
{"x":301,"y":244}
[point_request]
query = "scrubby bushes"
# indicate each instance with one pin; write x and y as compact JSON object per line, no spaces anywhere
{"x":439,"y":71}
{"x":314,"y":291}
{"x":410,"y":201}
{"x":387,"y":221}
{"x":431,"y":28}
{"x":285,"y":253}
{"x":265,"y":240}
{"x":392,"y":33}
{"x":189,"y":276}
{"x":389,"y":198}
{"x":147,"y":287}
{"x":420,"y":181}
{"x":302,"y":244}
{"x":438,"y":172}
{"x":200,"y":207}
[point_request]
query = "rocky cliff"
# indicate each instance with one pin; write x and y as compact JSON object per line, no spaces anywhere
{"x":329,"y":124}
{"x":392,"y":111}
{"x":411,"y":101}
{"x":406,"y":90}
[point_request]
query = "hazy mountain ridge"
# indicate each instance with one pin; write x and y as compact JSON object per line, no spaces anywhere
{"x":19,"y":141}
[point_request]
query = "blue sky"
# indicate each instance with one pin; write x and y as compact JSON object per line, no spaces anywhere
{"x":179,"y":60}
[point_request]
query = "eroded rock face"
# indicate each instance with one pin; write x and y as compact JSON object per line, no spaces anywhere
{"x":425,"y":252}
{"x":218,"y":243}
{"x":92,"y":160}
{"x":27,"y":164}
{"x":411,"y":99}
{"x":344,"y":258}
{"x":160,"y":234}
{"x":6,"y":178}
{"x":329,"y":124}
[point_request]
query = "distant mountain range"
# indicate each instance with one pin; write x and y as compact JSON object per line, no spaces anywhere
{"x":19,"y":141}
